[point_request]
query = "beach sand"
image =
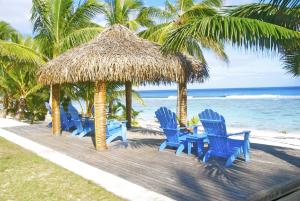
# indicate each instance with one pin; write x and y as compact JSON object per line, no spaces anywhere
{"x":289,"y":140}
{"x":269,"y":137}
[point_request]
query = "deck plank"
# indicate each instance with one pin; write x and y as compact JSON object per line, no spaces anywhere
{"x":267,"y":176}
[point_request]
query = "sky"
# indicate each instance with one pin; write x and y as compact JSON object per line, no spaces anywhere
{"x":245,"y":69}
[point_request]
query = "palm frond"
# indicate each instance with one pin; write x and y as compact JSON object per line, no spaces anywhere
{"x":283,"y":16}
{"x":79,"y":36}
{"x":283,"y":3}
{"x":14,"y":52}
{"x":249,"y":33}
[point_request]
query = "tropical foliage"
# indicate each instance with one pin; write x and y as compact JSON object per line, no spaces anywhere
{"x":130,"y":13}
{"x":187,"y":26}
{"x":285,"y":13}
{"x":22,"y":96}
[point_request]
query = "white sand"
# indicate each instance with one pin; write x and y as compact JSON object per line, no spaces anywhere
{"x":289,"y":140}
{"x":6,"y":123}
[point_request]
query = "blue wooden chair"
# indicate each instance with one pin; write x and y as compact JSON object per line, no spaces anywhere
{"x":176,"y":136}
{"x":65,"y":122}
{"x":82,"y":127}
{"x":220,"y":144}
{"x":114,"y":129}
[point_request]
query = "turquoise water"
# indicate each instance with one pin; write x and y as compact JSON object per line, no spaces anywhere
{"x":254,"y":108}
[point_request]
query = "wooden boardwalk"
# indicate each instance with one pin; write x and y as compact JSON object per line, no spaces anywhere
{"x":271,"y":173}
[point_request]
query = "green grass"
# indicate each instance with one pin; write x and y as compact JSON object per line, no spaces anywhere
{"x":26,"y":176}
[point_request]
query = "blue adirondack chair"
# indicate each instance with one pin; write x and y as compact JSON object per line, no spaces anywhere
{"x":65,"y":122}
{"x":176,"y":136}
{"x":220,"y":143}
{"x":114,"y":129}
{"x":82,"y":127}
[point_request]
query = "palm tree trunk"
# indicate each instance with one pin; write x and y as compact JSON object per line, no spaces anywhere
{"x":128,"y":89}
{"x":56,"y":127}
{"x":183,"y":104}
{"x":100,"y":115}
{"x":178,"y":102}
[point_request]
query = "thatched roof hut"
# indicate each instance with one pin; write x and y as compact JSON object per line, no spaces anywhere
{"x":116,"y":54}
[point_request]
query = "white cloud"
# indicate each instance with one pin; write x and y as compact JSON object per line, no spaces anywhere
{"x":17,"y":13}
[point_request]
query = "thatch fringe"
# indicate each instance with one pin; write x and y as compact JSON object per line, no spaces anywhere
{"x":117,"y":54}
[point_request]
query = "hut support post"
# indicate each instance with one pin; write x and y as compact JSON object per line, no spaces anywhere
{"x":128,"y":89}
{"x":100,"y":115}
{"x":56,"y":127}
{"x":182,"y":103}
{"x":178,"y":103}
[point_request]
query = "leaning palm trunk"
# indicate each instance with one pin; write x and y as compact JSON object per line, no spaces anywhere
{"x":182,"y":104}
{"x":128,"y":89}
{"x":56,"y":129}
{"x":100,"y":115}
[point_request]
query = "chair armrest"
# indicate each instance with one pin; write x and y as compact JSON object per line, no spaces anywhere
{"x":245,"y":133}
{"x":212,"y":135}
{"x":240,"y":133}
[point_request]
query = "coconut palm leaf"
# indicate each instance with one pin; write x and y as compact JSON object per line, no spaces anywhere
{"x":249,"y":33}
{"x":19,"y":53}
{"x":283,"y":3}
{"x":7,"y":32}
{"x":278,"y":13}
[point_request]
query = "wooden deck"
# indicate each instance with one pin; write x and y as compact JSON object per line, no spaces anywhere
{"x":271,"y":173}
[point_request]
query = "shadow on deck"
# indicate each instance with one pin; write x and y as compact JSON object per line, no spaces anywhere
{"x":271,"y":173}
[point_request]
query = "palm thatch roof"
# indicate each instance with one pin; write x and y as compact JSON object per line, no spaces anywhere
{"x":117,"y":54}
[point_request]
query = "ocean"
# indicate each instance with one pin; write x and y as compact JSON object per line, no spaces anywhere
{"x":272,"y":108}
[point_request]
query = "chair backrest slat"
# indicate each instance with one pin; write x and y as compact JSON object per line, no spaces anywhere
{"x":73,"y":112}
{"x":168,"y":123}
{"x":215,"y":127}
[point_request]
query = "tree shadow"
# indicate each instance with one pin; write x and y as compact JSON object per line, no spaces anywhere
{"x":284,"y":154}
{"x":215,"y":182}
{"x":146,"y":131}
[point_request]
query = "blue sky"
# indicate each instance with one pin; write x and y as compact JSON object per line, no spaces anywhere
{"x":246,"y":68}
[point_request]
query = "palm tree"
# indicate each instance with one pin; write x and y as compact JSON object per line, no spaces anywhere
{"x":18,"y":61}
{"x":172,"y":17}
{"x":283,"y":13}
{"x":203,"y":22}
{"x":130,"y":13}
{"x":189,"y":27}
{"x":134,"y":15}
{"x":18,"y":78}
{"x":59,"y":25}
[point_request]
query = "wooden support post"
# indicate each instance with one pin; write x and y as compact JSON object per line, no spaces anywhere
{"x":178,"y":103}
{"x":183,"y":104}
{"x":128,"y":89}
{"x":56,"y":127}
{"x":100,"y":115}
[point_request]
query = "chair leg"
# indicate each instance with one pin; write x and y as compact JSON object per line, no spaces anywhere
{"x":179,"y":149}
{"x":111,"y":138}
{"x":232,"y":158}
{"x":83,"y":133}
{"x":206,"y":156}
{"x":189,"y":145}
{"x":75,"y":132}
{"x":200,"y":146}
{"x":163,"y":146}
{"x":49,"y":125}
{"x":246,"y":150}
